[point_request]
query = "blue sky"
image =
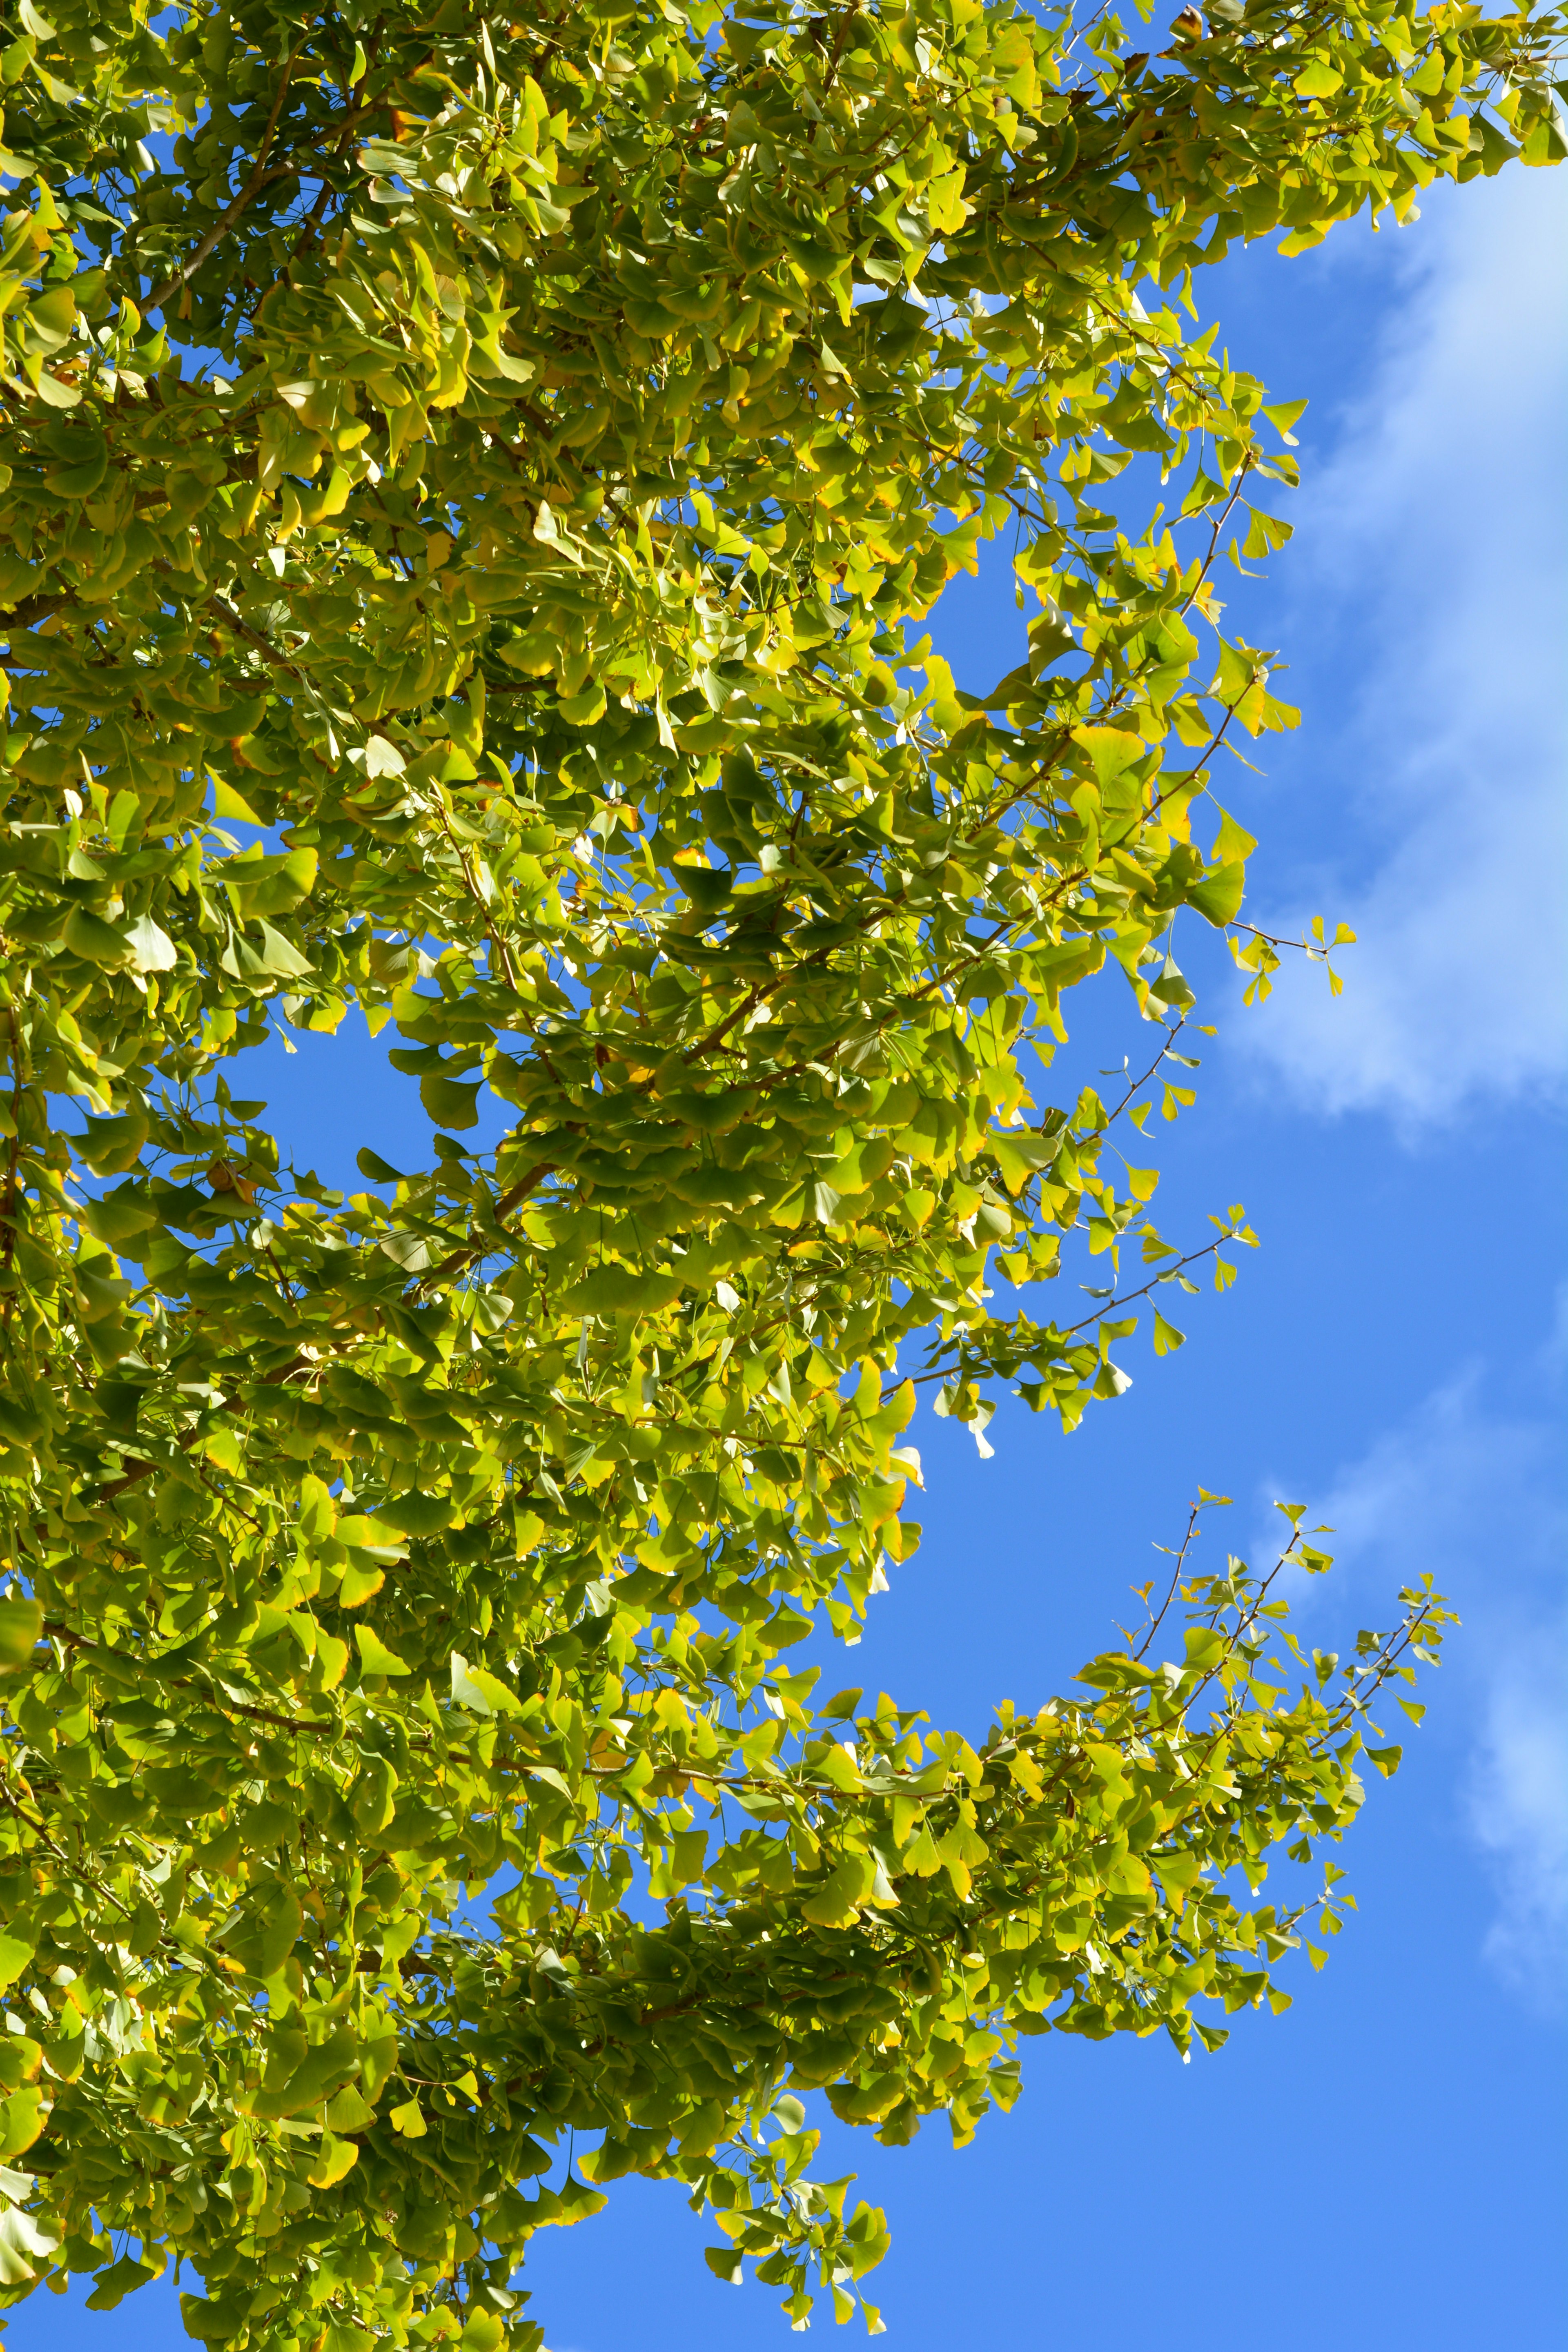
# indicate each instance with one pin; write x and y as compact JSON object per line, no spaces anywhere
{"x":1384,"y":2163}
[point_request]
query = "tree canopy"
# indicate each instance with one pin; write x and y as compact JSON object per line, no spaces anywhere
{"x":472,"y":489}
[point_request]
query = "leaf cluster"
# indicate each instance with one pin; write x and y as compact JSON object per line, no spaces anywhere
{"x":472,"y":493}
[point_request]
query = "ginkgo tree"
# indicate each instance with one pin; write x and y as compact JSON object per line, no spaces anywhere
{"x":471,"y":489}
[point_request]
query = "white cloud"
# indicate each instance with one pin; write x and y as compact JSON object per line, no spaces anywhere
{"x":1519,"y":1813}
{"x":1466,"y":1495}
{"x":1433,"y":550}
{"x":1440,"y":1492}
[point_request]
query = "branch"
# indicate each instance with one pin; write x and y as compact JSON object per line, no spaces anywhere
{"x":32,"y":609}
{"x":510,"y":1200}
{"x":258,"y":179}
{"x":155,"y":1666}
{"x":1155,"y":1622}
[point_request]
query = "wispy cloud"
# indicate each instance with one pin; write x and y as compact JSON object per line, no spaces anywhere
{"x":1472,"y":1497}
{"x":1455,"y":1490}
{"x":1434,"y":553}
{"x":1517,"y":1811}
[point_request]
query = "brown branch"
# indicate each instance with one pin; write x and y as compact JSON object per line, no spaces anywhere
{"x":242,"y":628}
{"x":13,"y":1198}
{"x":1138,"y":1085}
{"x":840,"y":39}
{"x":146,"y":1468}
{"x":1194,"y":1257}
{"x":155,"y":1666}
{"x":32,"y":609}
{"x":1155,"y":1622}
{"x":510,"y":1200}
{"x":260,"y":177}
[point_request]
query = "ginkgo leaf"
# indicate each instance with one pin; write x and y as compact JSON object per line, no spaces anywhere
{"x":151,"y":950}
{"x":375,"y":1654}
{"x":336,"y":2158}
{"x":381,"y":757}
{"x":88,"y":936}
{"x":23,"y":2245}
{"x":486,"y":1693}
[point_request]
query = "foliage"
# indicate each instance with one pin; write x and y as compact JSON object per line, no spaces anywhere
{"x":490,"y":470}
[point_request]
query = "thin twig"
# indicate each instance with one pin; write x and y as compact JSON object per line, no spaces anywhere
{"x":259,"y":178}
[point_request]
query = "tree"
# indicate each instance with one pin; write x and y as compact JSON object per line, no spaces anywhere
{"x":496,"y":466}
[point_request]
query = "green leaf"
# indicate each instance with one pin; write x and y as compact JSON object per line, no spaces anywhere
{"x":230,"y":803}
{"x":1218,"y":896}
{"x":616,"y":1289}
{"x":1020,"y":1155}
{"x":484,"y":1692}
{"x":826,"y":1203}
{"x":280,"y":1931}
{"x":450,"y":1101}
{"x":1283,"y":414}
{"x":1114,"y":1671}
{"x":348,"y":2112}
{"x":88,"y":936}
{"x":111,"y":1145}
{"x":1110,"y":754}
{"x":380,"y":1171}
{"x":416,"y":1515}
{"x":376,"y":1657}
{"x":113,"y":2285}
{"x":279,"y":958}
{"x":122,"y":1218}
{"x":80,"y":479}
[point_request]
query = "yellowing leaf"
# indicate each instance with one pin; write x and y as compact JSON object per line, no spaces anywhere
{"x":337,"y":2158}
{"x":482,"y":2331}
{"x":229,"y":802}
{"x":484,"y":1692}
{"x":348,"y":2112}
{"x":333,"y":1657}
{"x":539,"y":535}
{"x":1233,"y":844}
{"x":22,"y":2119}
